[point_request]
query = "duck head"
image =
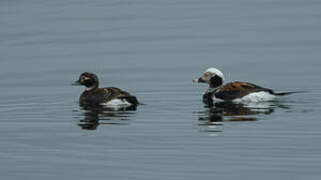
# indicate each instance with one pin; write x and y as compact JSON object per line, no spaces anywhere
{"x":89,"y":80}
{"x":213,"y":77}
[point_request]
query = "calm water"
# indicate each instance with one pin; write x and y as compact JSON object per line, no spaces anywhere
{"x":154,"y":49}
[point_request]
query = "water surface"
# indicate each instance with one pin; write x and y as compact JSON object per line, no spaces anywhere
{"x":154,"y":49}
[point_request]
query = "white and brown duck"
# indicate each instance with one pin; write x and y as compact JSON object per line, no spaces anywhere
{"x":238,"y":92}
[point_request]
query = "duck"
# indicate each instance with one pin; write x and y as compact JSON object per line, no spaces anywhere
{"x":236,"y":92}
{"x":107,"y":96}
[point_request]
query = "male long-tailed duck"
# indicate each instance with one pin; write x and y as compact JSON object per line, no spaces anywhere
{"x":108,"y":96}
{"x":238,"y":92}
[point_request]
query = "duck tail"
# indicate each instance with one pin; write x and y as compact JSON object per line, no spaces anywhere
{"x":288,"y":93}
{"x":133,"y":100}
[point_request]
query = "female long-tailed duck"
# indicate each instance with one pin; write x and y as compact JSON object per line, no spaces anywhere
{"x":108,"y":96}
{"x":238,"y":92}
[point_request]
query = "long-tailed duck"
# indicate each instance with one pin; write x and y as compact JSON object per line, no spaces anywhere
{"x":108,"y":96}
{"x":238,"y":92}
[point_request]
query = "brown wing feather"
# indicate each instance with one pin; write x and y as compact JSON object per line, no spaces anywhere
{"x":238,"y":89}
{"x":121,"y":94}
{"x":112,"y":93}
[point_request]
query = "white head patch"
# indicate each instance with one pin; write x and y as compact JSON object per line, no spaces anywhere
{"x":215,"y":71}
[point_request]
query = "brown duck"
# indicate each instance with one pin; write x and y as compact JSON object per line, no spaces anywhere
{"x":108,"y":96}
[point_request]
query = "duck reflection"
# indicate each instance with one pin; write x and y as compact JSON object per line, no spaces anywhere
{"x":99,"y":115}
{"x":211,"y":120}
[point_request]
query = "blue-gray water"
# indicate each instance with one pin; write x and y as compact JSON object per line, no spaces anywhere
{"x":154,"y":49}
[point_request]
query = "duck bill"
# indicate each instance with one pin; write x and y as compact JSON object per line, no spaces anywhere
{"x":199,"y":80}
{"x":76,"y":83}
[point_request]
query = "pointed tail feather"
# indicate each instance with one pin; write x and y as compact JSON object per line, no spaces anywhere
{"x":287,"y":93}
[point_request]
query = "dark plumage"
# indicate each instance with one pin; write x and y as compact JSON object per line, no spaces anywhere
{"x":93,"y":95}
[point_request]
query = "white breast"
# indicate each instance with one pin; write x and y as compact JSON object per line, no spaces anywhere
{"x":116,"y":103}
{"x":256,"y":97}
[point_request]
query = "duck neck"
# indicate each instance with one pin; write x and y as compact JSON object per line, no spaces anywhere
{"x":92,"y":87}
{"x":213,"y":90}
